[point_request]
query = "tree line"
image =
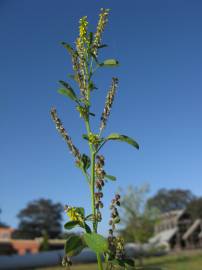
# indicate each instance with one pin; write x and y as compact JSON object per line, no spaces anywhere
{"x":139,"y":214}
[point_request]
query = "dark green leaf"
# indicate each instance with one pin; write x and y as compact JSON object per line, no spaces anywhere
{"x":85,"y":136}
{"x":92,"y":114}
{"x":73,"y":245}
{"x":71,"y":224}
{"x":102,"y":46}
{"x":94,"y":57}
{"x":122,"y":138}
{"x":110,"y":177}
{"x":117,"y":262}
{"x":87,"y":228}
{"x":86,"y":162}
{"x":96,"y":242}
{"x":89,"y":217}
{"x":109,"y":63}
{"x":91,"y":37}
{"x":68,"y":91}
{"x":92,"y":86}
{"x":81,"y":211}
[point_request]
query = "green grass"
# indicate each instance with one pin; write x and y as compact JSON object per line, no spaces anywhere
{"x":181,"y":261}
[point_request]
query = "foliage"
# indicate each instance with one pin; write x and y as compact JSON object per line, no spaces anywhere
{"x":39,"y":216}
{"x":137,"y":217}
{"x":45,"y":244}
{"x":195,"y":208}
{"x":173,"y":199}
{"x":85,"y":62}
{"x":2,"y":224}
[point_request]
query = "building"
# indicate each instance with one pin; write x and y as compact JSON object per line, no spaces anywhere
{"x":176,"y":230}
{"x":9,"y":246}
{"x":20,"y":246}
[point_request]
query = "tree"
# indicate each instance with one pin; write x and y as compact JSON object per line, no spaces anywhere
{"x":138,"y":219}
{"x":39,"y":216}
{"x":173,"y":199}
{"x":195,"y":208}
{"x":2,"y":224}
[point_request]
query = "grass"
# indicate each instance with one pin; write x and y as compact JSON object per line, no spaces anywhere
{"x":180,"y":261}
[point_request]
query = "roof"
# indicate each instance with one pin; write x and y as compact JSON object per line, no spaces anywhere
{"x":173,"y":214}
{"x":191,"y":229}
{"x":164,"y":236}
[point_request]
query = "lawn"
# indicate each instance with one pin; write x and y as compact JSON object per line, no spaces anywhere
{"x":181,"y":261}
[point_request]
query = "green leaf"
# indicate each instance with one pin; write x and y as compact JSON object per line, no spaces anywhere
{"x":87,"y":228}
{"x":92,"y":114}
{"x":122,"y":138}
{"x":67,"y":91}
{"x":81,"y":211}
{"x":85,"y":136}
{"x":86,"y":162}
{"x":102,"y":46}
{"x":109,"y":63}
{"x":73,"y":245}
{"x":71,"y":224}
{"x":110,"y":177}
{"x":89,"y":217}
{"x":96,"y":242}
{"x":91,"y":38}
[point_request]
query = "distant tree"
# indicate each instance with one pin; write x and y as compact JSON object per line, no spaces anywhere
{"x":2,"y":224}
{"x":45,"y":243}
{"x":195,"y":208}
{"x":39,"y":216}
{"x":138,"y":218}
{"x":171,"y":199}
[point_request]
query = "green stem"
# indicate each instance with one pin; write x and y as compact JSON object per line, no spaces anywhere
{"x":92,"y":180}
{"x":99,"y":261}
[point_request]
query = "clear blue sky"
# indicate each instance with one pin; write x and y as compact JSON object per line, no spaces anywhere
{"x":159,"y":101}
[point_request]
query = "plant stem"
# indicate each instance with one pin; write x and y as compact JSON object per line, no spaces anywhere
{"x":92,"y":190}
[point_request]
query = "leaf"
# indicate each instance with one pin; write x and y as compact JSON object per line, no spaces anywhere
{"x":68,"y":91}
{"x":92,"y":114}
{"x":85,"y":136}
{"x":81,"y":211}
{"x":73,"y":245}
{"x":96,"y":242}
{"x":110,"y":63}
{"x":102,"y":46}
{"x":87,"y":228}
{"x":110,"y":177}
{"x":89,"y":217}
{"x":71,"y":224}
{"x":86,"y":162}
{"x":91,"y":38}
{"x":122,"y":138}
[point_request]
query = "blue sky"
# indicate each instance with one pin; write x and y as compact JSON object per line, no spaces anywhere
{"x":159,"y":46}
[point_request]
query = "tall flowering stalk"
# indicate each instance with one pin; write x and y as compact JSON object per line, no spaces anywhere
{"x":85,"y":62}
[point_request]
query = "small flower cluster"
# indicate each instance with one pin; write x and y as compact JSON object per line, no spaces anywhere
{"x":73,"y":214}
{"x":114,"y":212}
{"x":83,"y":24}
{"x":116,"y":244}
{"x":62,"y":131}
{"x":100,"y":28}
{"x":108,"y":103}
{"x":99,"y":184}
